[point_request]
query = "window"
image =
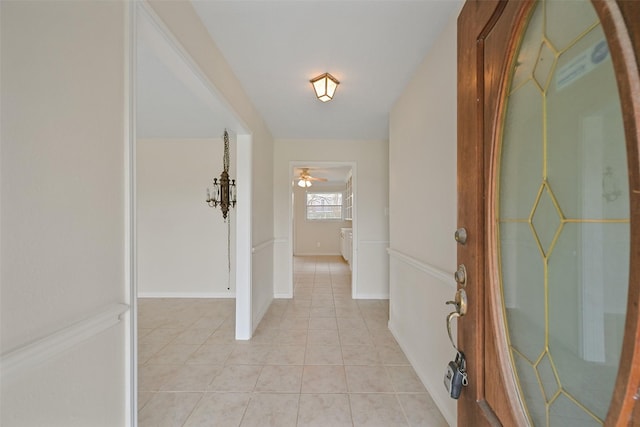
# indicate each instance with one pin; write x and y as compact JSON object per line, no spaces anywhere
{"x":324,"y":206}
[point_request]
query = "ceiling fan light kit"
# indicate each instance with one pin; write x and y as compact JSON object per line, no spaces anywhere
{"x":304,"y":180}
{"x":325,"y":86}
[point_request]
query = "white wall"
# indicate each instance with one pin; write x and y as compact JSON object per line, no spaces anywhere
{"x":315,"y":237}
{"x":182,"y":242}
{"x":63,"y":202}
{"x":181,"y":19}
{"x":371,"y":192}
{"x":423,"y":215}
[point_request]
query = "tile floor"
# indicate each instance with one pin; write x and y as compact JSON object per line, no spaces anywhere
{"x":319,"y":359}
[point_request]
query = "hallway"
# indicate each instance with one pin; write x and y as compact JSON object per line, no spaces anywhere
{"x":320,"y":359}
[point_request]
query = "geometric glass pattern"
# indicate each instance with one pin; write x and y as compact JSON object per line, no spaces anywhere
{"x":547,"y":376}
{"x":546,"y":219}
{"x":544,"y":65}
{"x":562,"y":217}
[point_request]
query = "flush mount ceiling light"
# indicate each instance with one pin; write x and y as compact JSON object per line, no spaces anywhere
{"x":325,"y":86}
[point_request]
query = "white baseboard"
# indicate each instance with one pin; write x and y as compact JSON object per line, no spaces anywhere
{"x":318,"y":254}
{"x":372,"y":296}
{"x":287,"y":295}
{"x":186,"y":294}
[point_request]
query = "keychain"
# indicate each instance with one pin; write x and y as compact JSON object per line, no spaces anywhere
{"x":456,"y":376}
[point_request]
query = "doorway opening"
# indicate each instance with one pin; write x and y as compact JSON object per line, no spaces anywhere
{"x":179,"y":118}
{"x":330,"y":227}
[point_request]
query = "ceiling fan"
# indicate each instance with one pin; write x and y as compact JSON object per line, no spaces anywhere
{"x":305,"y":178}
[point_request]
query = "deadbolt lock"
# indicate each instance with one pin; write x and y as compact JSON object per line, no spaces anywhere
{"x":461,"y":275}
{"x":461,"y":235}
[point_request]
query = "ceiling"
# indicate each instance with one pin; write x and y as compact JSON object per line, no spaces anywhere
{"x":372,"y":47}
{"x":171,"y":100}
{"x":275,"y":48}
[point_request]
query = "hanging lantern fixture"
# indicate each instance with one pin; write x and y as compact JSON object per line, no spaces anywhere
{"x":224,"y":189}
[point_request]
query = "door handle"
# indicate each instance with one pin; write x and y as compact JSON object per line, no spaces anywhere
{"x":460,"y":304}
{"x":450,"y":317}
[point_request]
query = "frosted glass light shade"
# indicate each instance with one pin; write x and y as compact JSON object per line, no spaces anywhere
{"x":325,"y":86}
{"x":304,"y":183}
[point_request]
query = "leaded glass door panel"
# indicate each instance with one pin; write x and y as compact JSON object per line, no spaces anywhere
{"x":547,"y":170}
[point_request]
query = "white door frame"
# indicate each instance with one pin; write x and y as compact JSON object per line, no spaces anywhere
{"x":242,"y":223}
{"x":354,"y":221}
{"x":243,"y":268}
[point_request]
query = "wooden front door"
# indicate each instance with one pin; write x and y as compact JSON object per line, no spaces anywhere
{"x":549,"y":195}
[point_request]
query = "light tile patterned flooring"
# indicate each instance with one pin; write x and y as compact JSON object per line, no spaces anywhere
{"x":320,"y":359}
